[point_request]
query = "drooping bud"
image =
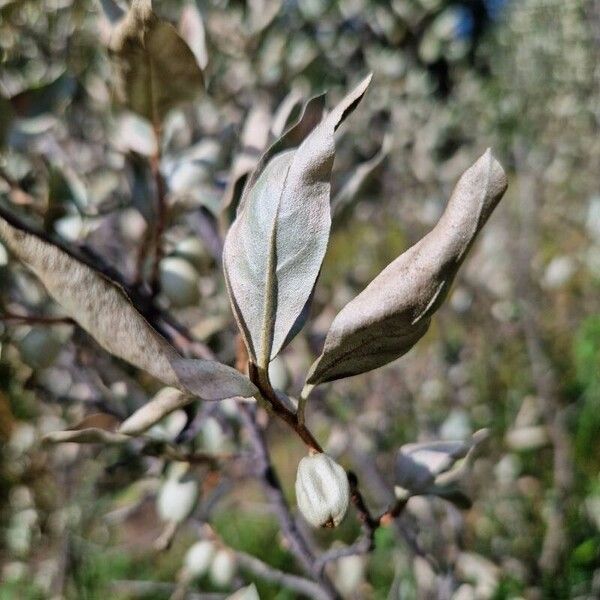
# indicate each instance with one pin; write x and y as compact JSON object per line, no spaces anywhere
{"x":223,"y":567}
{"x":177,"y":496}
{"x":349,"y":574}
{"x":199,"y":557}
{"x":322,"y":490}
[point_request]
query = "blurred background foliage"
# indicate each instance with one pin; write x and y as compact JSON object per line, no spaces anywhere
{"x":516,"y":349}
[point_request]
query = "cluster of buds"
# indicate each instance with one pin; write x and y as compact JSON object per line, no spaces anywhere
{"x":205,"y":557}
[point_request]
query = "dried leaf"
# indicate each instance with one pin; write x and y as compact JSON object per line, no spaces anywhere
{"x":394,"y":311}
{"x":155,"y":70}
{"x":103,"y":309}
{"x":275,"y":247}
{"x":165,"y":402}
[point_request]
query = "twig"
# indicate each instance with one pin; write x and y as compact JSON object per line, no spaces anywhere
{"x":37,"y":319}
{"x":272,"y":487}
{"x":369,"y":523}
{"x":261,"y":381}
{"x":268,"y":573}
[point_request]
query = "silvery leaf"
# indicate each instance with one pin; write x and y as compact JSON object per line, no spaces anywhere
{"x":417,"y":465}
{"x":431,"y":467}
{"x":245,"y":593}
{"x":274,"y":249}
{"x":165,"y":402}
{"x":155,"y":70}
{"x":394,"y":311}
{"x":103,"y":309}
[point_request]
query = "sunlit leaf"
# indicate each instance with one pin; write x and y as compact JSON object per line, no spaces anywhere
{"x":275,"y":247}
{"x":155,"y":70}
{"x":103,"y":309}
{"x":164,"y":403}
{"x":394,"y":311}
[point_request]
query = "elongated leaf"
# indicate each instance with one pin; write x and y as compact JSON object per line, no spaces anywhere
{"x":164,"y":403}
{"x":95,"y":428}
{"x":274,"y":249}
{"x":105,"y":312}
{"x":394,"y":311}
{"x":155,"y":70}
{"x":91,"y":435}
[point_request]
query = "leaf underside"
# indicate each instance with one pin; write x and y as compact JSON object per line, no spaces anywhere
{"x":275,"y":247}
{"x":394,"y":311}
{"x":103,"y":309}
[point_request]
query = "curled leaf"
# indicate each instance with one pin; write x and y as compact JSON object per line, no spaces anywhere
{"x":155,"y":70}
{"x":165,"y":402}
{"x":394,"y":311}
{"x":417,"y":465}
{"x":103,"y":309}
{"x":274,"y":249}
{"x":431,"y":468}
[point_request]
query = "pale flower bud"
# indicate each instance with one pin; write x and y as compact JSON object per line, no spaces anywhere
{"x":199,"y":557}
{"x":223,"y":567}
{"x":322,"y":490}
{"x":177,"y":496}
{"x":245,"y":593}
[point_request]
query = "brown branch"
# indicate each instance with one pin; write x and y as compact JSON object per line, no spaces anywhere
{"x":274,"y":492}
{"x":37,"y":319}
{"x":369,"y":524}
{"x":260,"y":379}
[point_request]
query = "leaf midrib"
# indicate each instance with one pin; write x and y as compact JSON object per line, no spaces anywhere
{"x":268,"y":323}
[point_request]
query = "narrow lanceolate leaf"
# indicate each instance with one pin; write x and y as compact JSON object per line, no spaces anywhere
{"x":154,"y":69}
{"x":103,"y":309}
{"x":96,"y":428}
{"x":274,"y":249}
{"x":394,"y":311}
{"x":165,"y":402}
